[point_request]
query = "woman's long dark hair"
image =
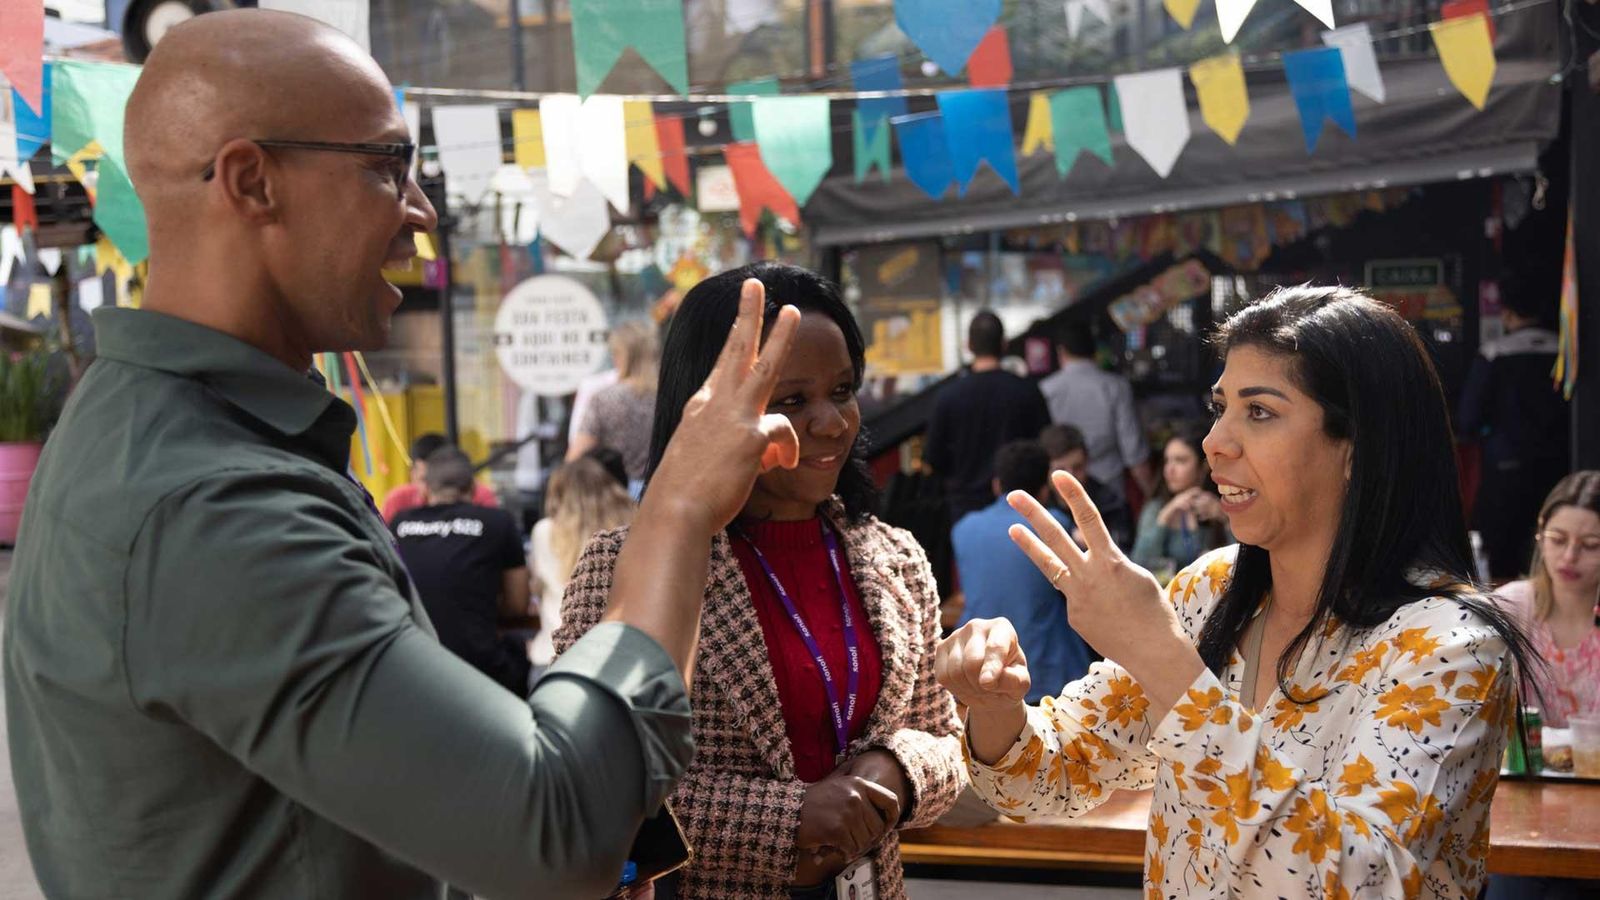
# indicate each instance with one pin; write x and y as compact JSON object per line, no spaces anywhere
{"x":1367,"y":369}
{"x":699,"y":328}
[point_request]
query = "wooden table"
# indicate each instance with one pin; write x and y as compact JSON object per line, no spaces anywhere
{"x":1536,"y":828}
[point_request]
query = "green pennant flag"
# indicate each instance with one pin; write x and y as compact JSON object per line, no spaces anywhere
{"x":603,"y":29}
{"x":87,"y":104}
{"x":871,"y":147}
{"x":740,"y":116}
{"x":1114,"y":111}
{"x":1079,"y":122}
{"x":796,"y":141}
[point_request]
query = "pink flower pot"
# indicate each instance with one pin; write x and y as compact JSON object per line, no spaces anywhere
{"x":17,"y":462}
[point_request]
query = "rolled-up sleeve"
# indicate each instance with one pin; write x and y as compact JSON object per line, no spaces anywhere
{"x":272,"y":626}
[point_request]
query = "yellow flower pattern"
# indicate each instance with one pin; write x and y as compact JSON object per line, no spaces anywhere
{"x":1384,"y":773}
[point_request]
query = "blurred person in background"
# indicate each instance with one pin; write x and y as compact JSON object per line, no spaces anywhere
{"x":1184,"y":519}
{"x":619,"y":416}
{"x":1100,"y":405}
{"x":1069,"y":452}
{"x":582,"y":499}
{"x":805,"y":762}
{"x":413,"y":493}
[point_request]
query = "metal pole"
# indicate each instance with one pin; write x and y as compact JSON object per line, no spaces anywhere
{"x":519,"y":79}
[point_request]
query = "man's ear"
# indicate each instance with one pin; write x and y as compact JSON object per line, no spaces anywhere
{"x":245,"y":173}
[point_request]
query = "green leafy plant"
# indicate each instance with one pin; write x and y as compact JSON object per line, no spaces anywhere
{"x":27,"y":396}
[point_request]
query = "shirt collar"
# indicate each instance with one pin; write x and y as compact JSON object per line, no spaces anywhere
{"x":245,"y":376}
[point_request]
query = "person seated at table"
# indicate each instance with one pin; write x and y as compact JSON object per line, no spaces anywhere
{"x":819,"y":728}
{"x":1322,"y":708}
{"x":1184,"y":519}
{"x":1069,"y":452}
{"x":413,"y":493}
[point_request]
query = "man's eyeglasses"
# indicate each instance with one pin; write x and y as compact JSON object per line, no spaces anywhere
{"x":404,"y":155}
{"x":1556,"y":542}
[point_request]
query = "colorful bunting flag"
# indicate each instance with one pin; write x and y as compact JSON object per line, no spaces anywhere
{"x":1078,"y":122}
{"x":10,"y":164}
{"x":24,"y":214}
{"x":796,"y":141}
{"x":674,"y":153}
{"x":1182,"y":11}
{"x":946,"y":31}
{"x":1360,"y":62}
{"x":1467,"y":53}
{"x":982,"y":118}
{"x":1322,"y":9}
{"x":603,"y":29}
{"x":757,"y":188}
{"x":469,"y":148}
{"x":86,"y":106}
{"x":1317,"y":81}
{"x":1038,"y":134}
{"x":1224,"y":101}
{"x":602,"y":147}
{"x":11,"y":253}
{"x":740,"y":115}
{"x":1075,"y":8}
{"x":1230,"y":15}
{"x":39,"y":300}
{"x":925,"y":152}
{"x":878,"y":74}
{"x":33,"y":125}
{"x":1154,"y":118}
{"x":527,"y":138}
{"x":558,"y":118}
{"x":990,"y":64}
{"x":576,"y":223}
{"x":22,"y":49}
{"x":644,"y":146}
{"x":871,"y":143}
{"x":1460,"y":9}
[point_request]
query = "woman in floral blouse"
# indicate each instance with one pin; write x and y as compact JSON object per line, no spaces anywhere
{"x":1321,"y":710}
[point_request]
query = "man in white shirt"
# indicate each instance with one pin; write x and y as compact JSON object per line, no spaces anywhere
{"x":1099,"y":404}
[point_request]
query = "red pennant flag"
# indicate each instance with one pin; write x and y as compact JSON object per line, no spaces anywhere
{"x":22,"y":48}
{"x":757,"y":188}
{"x":23,"y":212}
{"x":674,"y":154}
{"x":990,"y":64}
{"x":1458,"y":9}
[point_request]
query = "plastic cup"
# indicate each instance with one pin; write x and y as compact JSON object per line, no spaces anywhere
{"x":1585,"y":745}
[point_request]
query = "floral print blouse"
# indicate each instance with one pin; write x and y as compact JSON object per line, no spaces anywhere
{"x":1380,"y":787}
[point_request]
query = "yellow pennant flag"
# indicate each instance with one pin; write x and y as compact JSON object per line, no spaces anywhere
{"x":1467,"y":51}
{"x":425,"y":248}
{"x":644,"y":148}
{"x":527,"y":134}
{"x":1040,"y":133}
{"x":1182,"y":11}
{"x":107,"y":256}
{"x":39,"y":297}
{"x":1224,"y":103}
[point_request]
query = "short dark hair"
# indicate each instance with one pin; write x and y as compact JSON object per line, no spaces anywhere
{"x":1077,"y":338}
{"x":1022,"y":466}
{"x":700,"y":328}
{"x":611,"y":460}
{"x":1060,"y":439}
{"x":427,"y":445}
{"x":986,"y":336}
{"x":449,"y":470}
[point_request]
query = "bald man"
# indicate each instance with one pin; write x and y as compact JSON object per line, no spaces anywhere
{"x":220,"y":681}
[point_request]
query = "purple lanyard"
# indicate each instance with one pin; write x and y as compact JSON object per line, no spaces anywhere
{"x":842,"y":712}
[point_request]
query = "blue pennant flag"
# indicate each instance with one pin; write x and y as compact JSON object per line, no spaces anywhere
{"x":879,"y":73}
{"x":946,"y":31}
{"x":33,"y":128}
{"x":925,"y":151}
{"x":982,"y":118}
{"x":1317,"y":81}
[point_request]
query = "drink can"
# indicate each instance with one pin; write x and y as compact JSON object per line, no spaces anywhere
{"x":1527,"y":760}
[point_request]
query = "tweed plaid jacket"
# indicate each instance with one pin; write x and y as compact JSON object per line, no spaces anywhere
{"x":739,"y":803}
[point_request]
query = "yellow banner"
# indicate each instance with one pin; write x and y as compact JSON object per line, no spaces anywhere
{"x":527,"y":134}
{"x":1224,"y":102}
{"x":1467,"y":52}
{"x":1040,"y":133}
{"x":1182,"y":11}
{"x":644,"y":148}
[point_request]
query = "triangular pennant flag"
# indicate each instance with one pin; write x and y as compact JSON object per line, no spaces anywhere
{"x":22,"y":49}
{"x":1360,"y":62}
{"x":871,"y":147}
{"x":1224,"y":102}
{"x":946,"y":31}
{"x":644,"y":146}
{"x":10,"y":165}
{"x":558,"y":117}
{"x":674,"y":153}
{"x":24,"y":214}
{"x":40,"y":299}
{"x":925,"y":152}
{"x":50,"y":258}
{"x":1182,"y":11}
{"x":1316,"y":79}
{"x":575,"y":223}
{"x":469,"y":142}
{"x":603,"y":29}
{"x":412,"y":113}
{"x":1113,"y":110}
{"x":11,"y":253}
{"x":1075,"y":8}
{"x":757,"y":188}
{"x":527,"y":138}
{"x":1154,"y":118}
{"x":353,"y":17}
{"x":1460,"y":9}
{"x":33,"y":126}
{"x":1231,"y":15}
{"x":1078,"y":121}
{"x":1038,"y":134}
{"x":990,"y":64}
{"x":87,"y":101}
{"x":603,"y":148}
{"x":982,"y":119}
{"x":796,"y":141}
{"x":1322,"y":9}
{"x":1467,"y":53}
{"x":878,"y":73}
{"x":740,"y":118}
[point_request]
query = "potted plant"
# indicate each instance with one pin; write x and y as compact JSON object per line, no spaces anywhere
{"x":27,"y":406}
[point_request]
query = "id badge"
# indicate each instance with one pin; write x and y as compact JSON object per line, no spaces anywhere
{"x":857,"y":882}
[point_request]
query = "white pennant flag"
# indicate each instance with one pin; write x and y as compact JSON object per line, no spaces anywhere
{"x":1075,"y":8}
{"x":349,"y":16}
{"x":1322,"y":9}
{"x":50,"y":258}
{"x":1360,"y":63}
{"x":1154,"y":118}
{"x":603,"y":147}
{"x":10,"y":254}
{"x":9,"y":163}
{"x":577,"y":223}
{"x":1230,"y":15}
{"x":91,"y":294}
{"x":469,"y":142}
{"x":558,"y":117}
{"x":519,"y":208}
{"x":412,"y":112}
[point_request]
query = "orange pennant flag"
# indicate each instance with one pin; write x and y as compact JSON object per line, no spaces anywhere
{"x":990,"y":63}
{"x":757,"y":188}
{"x":674,"y":153}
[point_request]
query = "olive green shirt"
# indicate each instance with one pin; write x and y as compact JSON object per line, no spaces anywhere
{"x":220,"y":682}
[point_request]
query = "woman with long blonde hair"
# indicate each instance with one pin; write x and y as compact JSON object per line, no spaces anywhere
{"x":582,"y":498}
{"x":620,"y":416}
